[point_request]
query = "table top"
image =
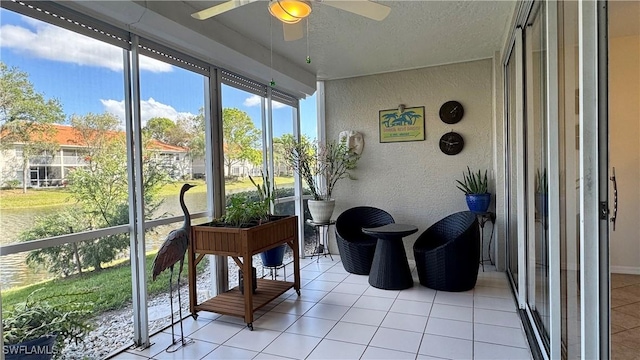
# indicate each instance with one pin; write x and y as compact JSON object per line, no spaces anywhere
{"x":313,"y":223}
{"x":394,"y":230}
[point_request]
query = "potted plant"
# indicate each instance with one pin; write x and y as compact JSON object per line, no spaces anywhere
{"x":476,"y":189}
{"x":272,"y":257}
{"x":38,"y":328}
{"x":245,"y":230}
{"x":321,"y":167}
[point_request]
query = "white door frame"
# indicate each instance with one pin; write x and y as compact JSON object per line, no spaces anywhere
{"x":593,"y":181}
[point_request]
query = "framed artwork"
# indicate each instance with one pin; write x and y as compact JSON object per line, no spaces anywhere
{"x":398,"y":126}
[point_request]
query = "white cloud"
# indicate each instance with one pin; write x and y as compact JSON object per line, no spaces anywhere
{"x":148,"y":109}
{"x":50,"y":42}
{"x":255,"y":100}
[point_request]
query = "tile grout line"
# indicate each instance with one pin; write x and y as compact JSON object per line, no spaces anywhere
{"x":360,"y":296}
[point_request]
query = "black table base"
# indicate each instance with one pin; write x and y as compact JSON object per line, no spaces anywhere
{"x":390,"y":269}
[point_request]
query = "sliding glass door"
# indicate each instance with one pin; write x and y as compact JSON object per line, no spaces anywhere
{"x":511,"y":168}
{"x":556,"y":176}
{"x":537,"y":188}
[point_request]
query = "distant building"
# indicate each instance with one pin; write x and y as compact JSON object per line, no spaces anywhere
{"x":52,"y":169}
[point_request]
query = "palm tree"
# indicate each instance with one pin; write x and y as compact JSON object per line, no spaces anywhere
{"x":411,"y":116}
{"x":389,"y":117}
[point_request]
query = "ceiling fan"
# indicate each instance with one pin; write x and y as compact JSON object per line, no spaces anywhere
{"x":290,"y":12}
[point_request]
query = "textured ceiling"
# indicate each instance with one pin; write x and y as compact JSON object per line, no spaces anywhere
{"x":341,"y":44}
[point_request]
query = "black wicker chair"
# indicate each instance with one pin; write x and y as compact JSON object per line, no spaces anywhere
{"x":447,"y":253}
{"x":356,"y":248}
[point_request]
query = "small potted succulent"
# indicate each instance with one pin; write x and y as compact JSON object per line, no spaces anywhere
{"x":37,"y":329}
{"x":475,"y":185}
{"x":542,"y":189}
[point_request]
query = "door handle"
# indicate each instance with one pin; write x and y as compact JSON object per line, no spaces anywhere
{"x":615,"y":198}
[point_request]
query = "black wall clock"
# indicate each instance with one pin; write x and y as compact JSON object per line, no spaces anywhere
{"x":451,"y":112}
{"x":451,"y":143}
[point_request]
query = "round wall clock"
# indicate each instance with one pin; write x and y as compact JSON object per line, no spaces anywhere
{"x":451,"y":112}
{"x":451,"y":143}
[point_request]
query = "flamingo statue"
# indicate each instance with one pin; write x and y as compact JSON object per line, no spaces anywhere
{"x":173,"y":250}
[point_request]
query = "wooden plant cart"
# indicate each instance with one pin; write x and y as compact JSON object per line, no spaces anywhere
{"x":241,"y":244}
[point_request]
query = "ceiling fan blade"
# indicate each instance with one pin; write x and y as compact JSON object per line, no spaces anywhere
{"x":219,"y":9}
{"x":364,"y":8}
{"x":293,"y":31}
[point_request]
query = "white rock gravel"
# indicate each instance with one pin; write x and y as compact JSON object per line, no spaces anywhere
{"x":113,"y":330}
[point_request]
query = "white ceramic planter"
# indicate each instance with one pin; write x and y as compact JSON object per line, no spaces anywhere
{"x":321,"y":210}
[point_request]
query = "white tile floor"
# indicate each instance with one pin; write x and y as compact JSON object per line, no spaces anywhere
{"x":339,"y":316}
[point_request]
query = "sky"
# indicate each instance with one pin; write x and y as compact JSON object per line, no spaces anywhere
{"x":86,"y":75}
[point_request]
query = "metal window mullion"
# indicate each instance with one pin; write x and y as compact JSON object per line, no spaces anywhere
{"x":523,"y":8}
{"x":589,"y":180}
{"x":267,"y":146}
{"x":603,"y":162}
{"x":136,"y":197}
{"x":297,"y":188}
{"x":506,"y":116}
{"x":530,"y":168}
{"x":214,"y":170}
{"x":569,"y":169}
{"x":321,"y":128}
{"x":536,"y":332}
{"x":520,"y":181}
{"x":263,"y":121}
{"x":553,"y":159}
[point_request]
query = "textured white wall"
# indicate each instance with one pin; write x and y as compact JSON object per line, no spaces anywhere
{"x":624,"y":127}
{"x":414,"y":181}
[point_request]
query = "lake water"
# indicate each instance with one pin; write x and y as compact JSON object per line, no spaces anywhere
{"x":14,"y":270}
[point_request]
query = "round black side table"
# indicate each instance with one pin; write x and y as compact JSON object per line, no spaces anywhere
{"x":390,"y":269}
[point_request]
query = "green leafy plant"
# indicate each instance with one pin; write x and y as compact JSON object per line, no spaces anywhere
{"x":12,"y":184}
{"x":62,"y":315}
{"x":242,"y":212}
{"x":542,"y":184}
{"x":474,"y":183}
{"x":266,"y":193}
{"x":320,"y":166}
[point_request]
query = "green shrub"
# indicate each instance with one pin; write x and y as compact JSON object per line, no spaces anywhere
{"x":63,"y":315}
{"x":12,"y":184}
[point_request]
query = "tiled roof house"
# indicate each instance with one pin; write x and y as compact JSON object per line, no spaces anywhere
{"x":51,"y":169}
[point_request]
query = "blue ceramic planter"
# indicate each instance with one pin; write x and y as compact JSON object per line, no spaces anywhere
{"x":478,"y":202}
{"x":273,"y":257}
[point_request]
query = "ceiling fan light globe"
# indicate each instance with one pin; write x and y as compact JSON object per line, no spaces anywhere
{"x":290,"y":11}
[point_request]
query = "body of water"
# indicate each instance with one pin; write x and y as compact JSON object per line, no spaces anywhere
{"x":14,"y":270}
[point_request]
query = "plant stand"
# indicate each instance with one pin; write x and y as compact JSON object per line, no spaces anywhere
{"x":483,"y":218}
{"x":273,"y":270}
{"x":240,"y":244}
{"x":322,"y":238}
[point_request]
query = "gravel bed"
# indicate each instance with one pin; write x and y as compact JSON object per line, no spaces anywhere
{"x":114,"y":329}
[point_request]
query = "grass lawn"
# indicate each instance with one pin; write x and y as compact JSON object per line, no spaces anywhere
{"x":108,"y":289}
{"x":15,"y":199}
